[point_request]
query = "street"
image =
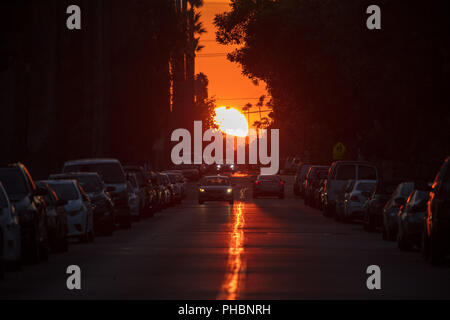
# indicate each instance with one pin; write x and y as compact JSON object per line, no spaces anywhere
{"x":257,"y":249}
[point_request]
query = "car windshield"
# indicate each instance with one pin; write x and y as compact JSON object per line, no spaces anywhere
{"x":66,"y":191}
{"x":90,"y":184}
{"x":14,"y":183}
{"x":345,"y":172}
{"x":217,"y":181}
{"x":110,"y":172}
{"x":365,"y":186}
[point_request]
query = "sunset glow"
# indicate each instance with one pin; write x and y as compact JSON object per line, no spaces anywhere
{"x":231,"y":121}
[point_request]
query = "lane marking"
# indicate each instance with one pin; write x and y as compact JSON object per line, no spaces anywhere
{"x":236,"y":265}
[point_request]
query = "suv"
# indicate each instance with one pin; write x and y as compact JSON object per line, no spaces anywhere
{"x":30,"y":206}
{"x":340,"y":172}
{"x":112,"y":174}
{"x":436,"y":238}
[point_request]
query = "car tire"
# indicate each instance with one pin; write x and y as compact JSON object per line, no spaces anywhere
{"x":108,"y":230}
{"x":403,"y":243}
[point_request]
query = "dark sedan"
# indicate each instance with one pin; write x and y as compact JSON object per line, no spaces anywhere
{"x":268,"y":185}
{"x":215,"y":188}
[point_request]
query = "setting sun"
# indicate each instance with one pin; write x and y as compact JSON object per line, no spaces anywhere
{"x":231,"y":121}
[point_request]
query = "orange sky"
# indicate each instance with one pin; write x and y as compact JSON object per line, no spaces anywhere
{"x":225,"y":78}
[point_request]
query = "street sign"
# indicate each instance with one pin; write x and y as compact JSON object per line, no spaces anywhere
{"x":339,"y":151}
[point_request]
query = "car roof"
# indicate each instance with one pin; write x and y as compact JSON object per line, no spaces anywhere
{"x":91,"y":161}
{"x":59,"y":181}
{"x":75,"y":174}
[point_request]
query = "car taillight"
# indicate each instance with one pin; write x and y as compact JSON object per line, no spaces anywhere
{"x":281,"y":183}
{"x":354,"y":198}
{"x":258,"y":182}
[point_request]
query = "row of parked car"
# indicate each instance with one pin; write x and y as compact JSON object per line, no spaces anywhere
{"x":88,"y":198}
{"x":415,"y":213}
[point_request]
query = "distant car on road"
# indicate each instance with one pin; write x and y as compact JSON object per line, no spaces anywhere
{"x":9,"y":231}
{"x":30,"y":206}
{"x":268,"y":185}
{"x":340,"y":172}
{"x":112,"y":174}
{"x":436,"y":240}
{"x":215,"y":188}
{"x":80,"y":218}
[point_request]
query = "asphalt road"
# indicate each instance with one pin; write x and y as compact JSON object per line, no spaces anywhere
{"x":256,"y":249}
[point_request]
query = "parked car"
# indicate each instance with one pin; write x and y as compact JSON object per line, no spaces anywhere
{"x":312,"y":180}
{"x":112,"y":174}
{"x":163,"y":189}
{"x":353,"y":204}
{"x":30,"y":206}
{"x":135,"y":201}
{"x":56,"y":219}
{"x":436,"y":240}
{"x":299,"y":178}
{"x":340,"y":172}
{"x":411,"y":217}
{"x":80,"y":215}
{"x":10,"y":249}
{"x":104,"y":211}
{"x":268,"y":185}
{"x":340,"y":200}
{"x":190,"y":171}
{"x":170,"y":197}
{"x":376,"y":200}
{"x":390,"y":210}
{"x":142,"y":193}
{"x":215,"y":188}
{"x":143,"y":187}
{"x":158,"y":190}
{"x":176,"y":186}
{"x":318,"y":194}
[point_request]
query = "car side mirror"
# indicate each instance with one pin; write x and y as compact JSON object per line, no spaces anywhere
{"x":400,"y":201}
{"x":110,"y":189}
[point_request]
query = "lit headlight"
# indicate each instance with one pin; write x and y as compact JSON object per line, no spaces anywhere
{"x":202,"y":190}
{"x":229,"y":190}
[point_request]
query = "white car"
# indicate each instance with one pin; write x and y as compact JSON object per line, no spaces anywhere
{"x":134,"y":200}
{"x":354,"y":200}
{"x":80,"y":217}
{"x":10,"y":229}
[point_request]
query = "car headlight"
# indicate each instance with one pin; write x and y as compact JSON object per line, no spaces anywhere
{"x":202,"y":190}
{"x":229,"y":190}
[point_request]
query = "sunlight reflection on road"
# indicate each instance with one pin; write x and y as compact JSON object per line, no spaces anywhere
{"x":236,"y":266}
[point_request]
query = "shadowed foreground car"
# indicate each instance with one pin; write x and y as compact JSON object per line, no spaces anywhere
{"x":215,"y":188}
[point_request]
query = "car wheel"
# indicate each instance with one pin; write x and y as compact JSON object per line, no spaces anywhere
{"x":109,"y":228}
{"x":370,"y":223}
{"x":402,"y":242}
